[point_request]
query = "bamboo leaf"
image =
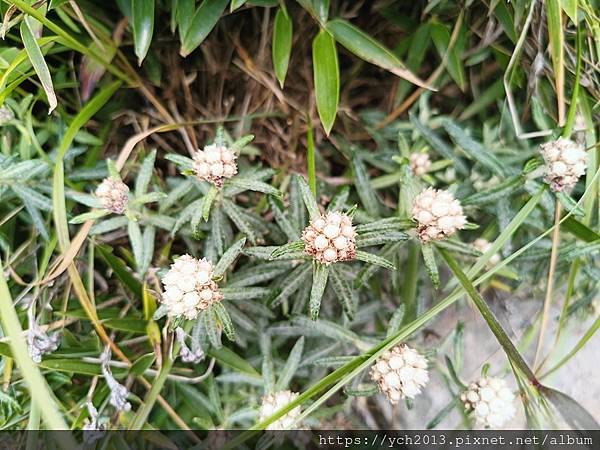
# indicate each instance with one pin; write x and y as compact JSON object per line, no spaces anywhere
{"x":282,"y":44}
{"x":204,"y":20}
{"x":37,"y":61}
{"x":143,"y":26}
{"x":368,"y":49}
{"x":326,"y":74}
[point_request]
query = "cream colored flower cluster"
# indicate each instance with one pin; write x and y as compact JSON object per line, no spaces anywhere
{"x":272,"y":403}
{"x":189,"y":287}
{"x":214,"y":164}
{"x":400,"y":372}
{"x":420,"y":163}
{"x":113,"y":195}
{"x":438,"y":214}
{"x":565,"y":162}
{"x":491,"y":400}
{"x":330,"y":238}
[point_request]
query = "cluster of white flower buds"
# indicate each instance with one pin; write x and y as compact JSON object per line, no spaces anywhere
{"x":483,"y":245}
{"x":400,"y":372}
{"x":438,"y":214}
{"x":214,"y":164}
{"x":330,"y":238}
{"x":6,"y":115}
{"x":491,"y":400}
{"x":272,"y":403}
{"x":565,"y":162}
{"x":420,"y":163}
{"x":113,"y":195}
{"x":189,"y":287}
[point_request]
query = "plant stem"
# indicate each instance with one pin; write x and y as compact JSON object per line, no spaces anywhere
{"x":408,"y":290}
{"x":550,"y":286}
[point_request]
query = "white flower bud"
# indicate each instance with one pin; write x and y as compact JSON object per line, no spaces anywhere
{"x":330,"y":238}
{"x":214,"y":164}
{"x":420,"y":163}
{"x":483,"y":245}
{"x":491,"y":400}
{"x":438,"y":214}
{"x":566,"y":161}
{"x":113,"y":195}
{"x":189,"y":288}
{"x":272,"y":403}
{"x":400,"y":372}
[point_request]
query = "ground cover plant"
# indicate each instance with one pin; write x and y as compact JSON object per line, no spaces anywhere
{"x":298,"y":214}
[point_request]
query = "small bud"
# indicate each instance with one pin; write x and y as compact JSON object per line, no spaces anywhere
{"x":420,"y":163}
{"x":189,"y":287}
{"x":330,"y":238}
{"x":566,"y":161}
{"x":188,"y":355}
{"x":491,"y":400}
{"x":438,"y":214}
{"x":113,"y":195}
{"x":483,"y":245}
{"x":272,"y":403}
{"x":400,"y":372}
{"x":214,"y":164}
{"x":38,"y":342}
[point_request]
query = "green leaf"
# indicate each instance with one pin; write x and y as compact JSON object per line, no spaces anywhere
{"x":364,"y":189}
{"x":282,"y":44}
{"x":291,"y":247}
{"x":204,"y":20}
{"x":556,"y":28}
{"x":326,"y":74}
{"x":132,"y":325}
{"x":120,"y":270}
{"x":183,"y":162}
{"x":319,"y":281}
{"x":37,"y":61}
{"x":282,"y":219}
{"x":441,"y":38}
{"x":430,"y":264}
{"x":211,"y":327}
{"x":374,"y":259}
{"x":253,"y":185}
{"x":396,"y":321}
{"x":368,"y":49}
{"x":150,"y":197}
{"x":570,"y":205}
{"x":92,"y":215}
{"x":209,"y":198}
{"x":137,"y":244}
{"x":474,"y":149}
{"x":231,"y":359}
{"x":235,"y":4}
{"x":344,"y":292}
{"x":378,"y":238}
{"x":291,"y":283}
{"x":234,"y":212}
{"x":291,"y":365}
{"x":307,"y":197}
{"x":144,"y":176}
{"x":225,"y":320}
{"x":143,"y":26}
{"x":570,"y":8}
{"x":229,"y":257}
{"x":142,"y":364}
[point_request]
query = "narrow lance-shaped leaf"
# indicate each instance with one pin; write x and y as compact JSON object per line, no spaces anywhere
{"x":282,"y":44}
{"x":326,"y":74}
{"x":143,"y":26}
{"x":229,"y":257}
{"x":307,"y":197}
{"x":291,"y":365}
{"x":368,"y":49}
{"x":430,"y":264}
{"x":320,"y":275}
{"x":37,"y":61}
{"x":204,"y":20}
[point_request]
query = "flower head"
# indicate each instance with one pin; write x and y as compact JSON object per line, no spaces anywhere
{"x":112,"y":194}
{"x":438,"y":214}
{"x":214,"y":164}
{"x":491,"y":400}
{"x":419,"y":163}
{"x":272,"y":403}
{"x":400,"y":372}
{"x":330,"y":238}
{"x":565,"y":162}
{"x":189,"y":287}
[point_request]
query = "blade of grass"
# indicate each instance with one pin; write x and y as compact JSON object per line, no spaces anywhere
{"x":557,"y":51}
